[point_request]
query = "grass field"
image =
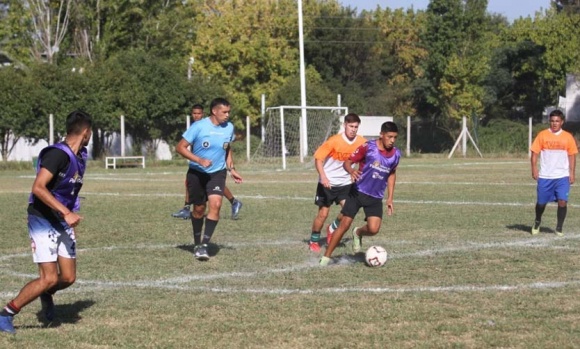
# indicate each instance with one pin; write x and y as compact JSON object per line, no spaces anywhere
{"x":463,"y":272}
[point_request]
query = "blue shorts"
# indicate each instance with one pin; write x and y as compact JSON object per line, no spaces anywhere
{"x":553,"y":190}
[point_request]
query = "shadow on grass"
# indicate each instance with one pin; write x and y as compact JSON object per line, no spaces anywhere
{"x":358,"y":257}
{"x":528,"y":228}
{"x":323,"y":242}
{"x":212,"y":249}
{"x":65,"y":313}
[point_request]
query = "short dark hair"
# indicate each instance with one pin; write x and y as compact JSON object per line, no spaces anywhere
{"x":389,"y":126}
{"x":197,"y":106}
{"x":218,"y":101}
{"x":557,"y":112}
{"x":77,"y":122}
{"x":351,"y":117}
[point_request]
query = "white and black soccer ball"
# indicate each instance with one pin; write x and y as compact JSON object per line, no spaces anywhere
{"x":376,"y":256}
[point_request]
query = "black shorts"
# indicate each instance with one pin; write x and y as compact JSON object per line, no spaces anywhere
{"x":200,"y":185}
{"x":372,"y":206}
{"x":326,"y":197}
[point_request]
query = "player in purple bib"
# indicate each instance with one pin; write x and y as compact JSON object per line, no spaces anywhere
{"x":52,"y":216}
{"x":376,"y":175}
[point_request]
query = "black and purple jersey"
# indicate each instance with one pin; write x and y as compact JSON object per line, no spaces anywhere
{"x":68,"y":176}
{"x":376,"y":167}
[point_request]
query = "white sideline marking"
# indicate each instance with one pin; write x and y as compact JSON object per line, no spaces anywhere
{"x":175,"y":282}
{"x":332,"y":290}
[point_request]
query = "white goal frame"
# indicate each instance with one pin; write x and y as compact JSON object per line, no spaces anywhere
{"x":303,"y":123}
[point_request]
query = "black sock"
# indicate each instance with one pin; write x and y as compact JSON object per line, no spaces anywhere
{"x":210,"y":225}
{"x":539,"y":212}
{"x":232,"y":200}
{"x":197,"y":224}
{"x":561,"y":214}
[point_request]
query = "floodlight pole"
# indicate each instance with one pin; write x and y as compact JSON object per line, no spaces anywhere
{"x":263,"y":123}
{"x":50,"y":129}
{"x":304,"y":123}
{"x":122,"y":135}
{"x":408,"y":135}
{"x":530,"y":130}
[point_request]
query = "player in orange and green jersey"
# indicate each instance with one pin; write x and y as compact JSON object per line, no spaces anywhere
{"x":557,"y":151}
{"x":334,"y":182}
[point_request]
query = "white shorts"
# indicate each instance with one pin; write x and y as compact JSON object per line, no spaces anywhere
{"x":50,"y":239}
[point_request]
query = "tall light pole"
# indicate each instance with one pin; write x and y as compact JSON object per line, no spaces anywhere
{"x":304,"y":133}
{"x":189,"y":65}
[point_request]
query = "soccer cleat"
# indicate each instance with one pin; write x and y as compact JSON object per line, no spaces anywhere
{"x":536,"y":228}
{"x":236,"y":207}
{"x":559,"y":232}
{"x":47,"y":306}
{"x":314,"y":246}
{"x":329,"y":232}
{"x":324,"y":261}
{"x":356,"y":241}
{"x":184,"y":213}
{"x":6,"y":324}
{"x":200,"y":252}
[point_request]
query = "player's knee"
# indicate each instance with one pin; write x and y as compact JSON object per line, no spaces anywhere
{"x":67,"y":280}
{"x":198,"y":211}
{"x":49,"y":281}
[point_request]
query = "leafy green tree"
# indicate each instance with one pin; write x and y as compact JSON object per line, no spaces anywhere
{"x":249,"y":47}
{"x":19,"y":116}
{"x":554,"y":44}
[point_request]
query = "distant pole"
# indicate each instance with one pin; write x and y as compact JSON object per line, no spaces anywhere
{"x":122,"y":135}
{"x":304,"y":133}
{"x":189,"y":67}
{"x":263,"y":126}
{"x":248,"y":143}
{"x":50,"y":129}
{"x":338,"y":100}
{"x":464,"y":138}
{"x":408,"y":135}
{"x":187,"y":121}
{"x":530,"y":129}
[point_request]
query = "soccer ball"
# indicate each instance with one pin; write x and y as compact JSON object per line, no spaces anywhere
{"x":376,"y":256}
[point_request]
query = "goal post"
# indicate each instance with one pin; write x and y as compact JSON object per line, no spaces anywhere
{"x":289,"y":139}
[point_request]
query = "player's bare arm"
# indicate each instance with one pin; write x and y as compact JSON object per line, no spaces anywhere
{"x":182,"y":149}
{"x":354,"y":173}
{"x":572,"y":163}
{"x":534,"y":162}
{"x":41,"y":192}
{"x":391,"y":192}
{"x":319,"y":164}
{"x":230,"y":166}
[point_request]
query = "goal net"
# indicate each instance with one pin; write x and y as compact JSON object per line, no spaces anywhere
{"x":289,"y":139}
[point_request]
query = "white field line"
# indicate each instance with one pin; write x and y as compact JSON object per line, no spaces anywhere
{"x":175,"y":283}
{"x":300,"y":198}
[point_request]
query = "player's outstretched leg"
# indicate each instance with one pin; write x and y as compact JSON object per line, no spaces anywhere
{"x":336,"y":237}
{"x":539,"y":212}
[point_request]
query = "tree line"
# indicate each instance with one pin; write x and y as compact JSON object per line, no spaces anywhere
{"x":151,"y":60}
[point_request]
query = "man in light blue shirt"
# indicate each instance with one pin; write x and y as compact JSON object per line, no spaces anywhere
{"x":209,"y":161}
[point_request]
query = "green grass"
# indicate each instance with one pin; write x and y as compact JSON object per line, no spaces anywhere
{"x":463,"y":272}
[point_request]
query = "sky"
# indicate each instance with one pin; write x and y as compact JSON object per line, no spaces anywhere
{"x":512,"y":9}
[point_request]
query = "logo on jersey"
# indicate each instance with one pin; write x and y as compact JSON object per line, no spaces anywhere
{"x":205,"y":144}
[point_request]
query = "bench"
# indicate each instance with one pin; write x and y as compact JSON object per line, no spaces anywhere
{"x":130,"y":161}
